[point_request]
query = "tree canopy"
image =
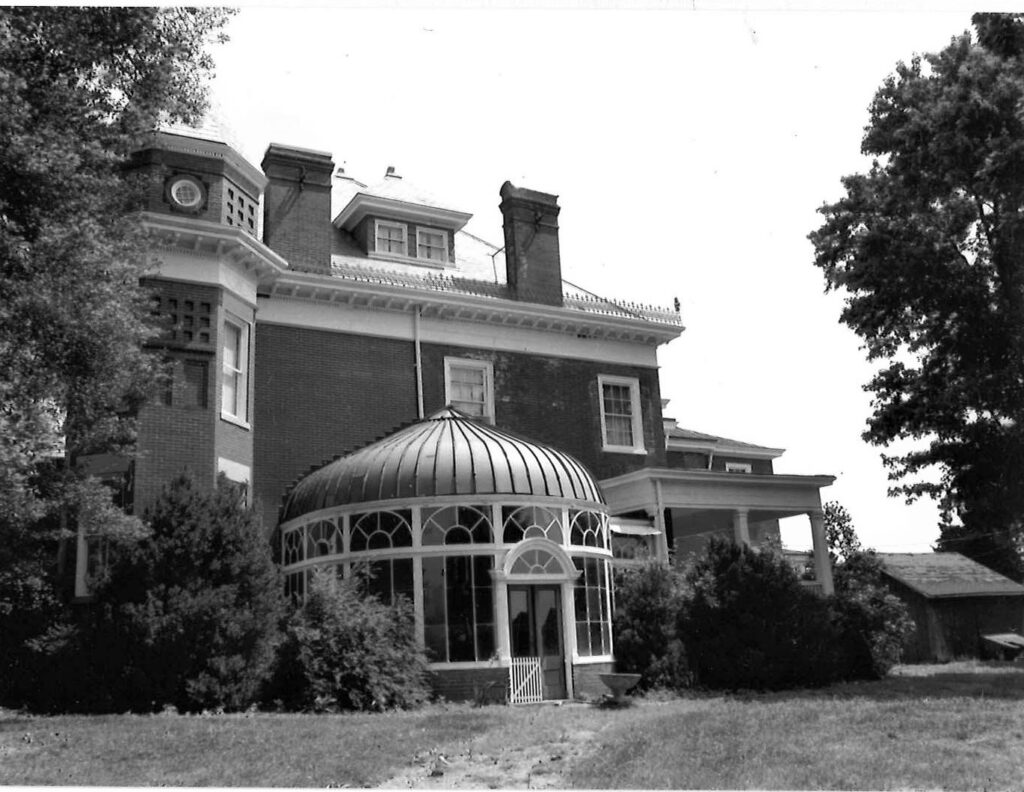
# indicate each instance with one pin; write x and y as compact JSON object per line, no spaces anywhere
{"x":929,"y":248}
{"x":80,"y":88}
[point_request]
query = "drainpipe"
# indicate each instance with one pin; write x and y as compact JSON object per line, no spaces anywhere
{"x":419,"y":360}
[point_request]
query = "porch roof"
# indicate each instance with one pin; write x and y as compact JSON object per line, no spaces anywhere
{"x":781,"y":495}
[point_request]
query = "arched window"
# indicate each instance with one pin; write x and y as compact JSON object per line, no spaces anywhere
{"x":292,"y":551}
{"x":536,"y":562}
{"x":527,"y":522}
{"x":588,"y":529}
{"x":322,"y":538}
{"x":456,"y":525}
{"x":381,"y":531}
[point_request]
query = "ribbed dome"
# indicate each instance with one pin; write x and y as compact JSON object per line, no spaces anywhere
{"x":447,"y":453}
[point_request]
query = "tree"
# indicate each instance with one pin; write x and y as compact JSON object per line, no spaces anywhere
{"x":839,"y":533}
{"x":193,"y":611}
{"x":80,"y":88}
{"x":929,"y":247}
{"x":347,"y":650}
{"x":648,"y":601}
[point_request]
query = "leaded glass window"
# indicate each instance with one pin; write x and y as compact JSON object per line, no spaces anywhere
{"x":527,"y":522}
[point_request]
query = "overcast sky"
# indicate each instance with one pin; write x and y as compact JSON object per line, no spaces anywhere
{"x":690,"y":151}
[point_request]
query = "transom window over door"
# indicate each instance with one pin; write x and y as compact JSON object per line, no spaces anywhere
{"x":621,"y":420}
{"x":390,"y":238}
{"x":432,"y":245}
{"x":469,"y":386}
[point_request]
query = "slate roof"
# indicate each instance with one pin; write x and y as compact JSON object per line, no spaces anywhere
{"x":947,"y":575}
{"x":447,"y":453}
{"x":690,"y":434}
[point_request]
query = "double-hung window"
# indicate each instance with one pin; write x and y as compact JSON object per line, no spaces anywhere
{"x":235,"y":372}
{"x":621,"y":419}
{"x":390,"y":238}
{"x":432,"y":245}
{"x":469,"y":386}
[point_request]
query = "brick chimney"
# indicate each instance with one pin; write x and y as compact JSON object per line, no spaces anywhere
{"x":297,"y":206}
{"x":533,"y":265}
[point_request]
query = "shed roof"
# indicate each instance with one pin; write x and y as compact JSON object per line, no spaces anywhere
{"x":447,"y":453}
{"x":947,"y":575}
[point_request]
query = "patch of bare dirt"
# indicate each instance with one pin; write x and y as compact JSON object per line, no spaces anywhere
{"x":520,"y":767}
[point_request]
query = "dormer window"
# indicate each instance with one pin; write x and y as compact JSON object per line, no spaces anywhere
{"x":432,"y":244}
{"x":390,"y":238}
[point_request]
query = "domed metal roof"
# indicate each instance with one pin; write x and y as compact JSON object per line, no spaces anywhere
{"x":447,"y":453}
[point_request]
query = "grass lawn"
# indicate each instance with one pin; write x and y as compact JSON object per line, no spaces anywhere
{"x":955,"y":727}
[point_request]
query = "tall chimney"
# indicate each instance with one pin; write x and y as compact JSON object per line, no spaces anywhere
{"x":297,"y":206}
{"x":532,"y":261}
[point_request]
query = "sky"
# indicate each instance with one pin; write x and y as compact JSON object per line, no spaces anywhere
{"x":690,"y":150}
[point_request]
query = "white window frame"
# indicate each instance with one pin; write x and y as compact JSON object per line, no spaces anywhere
{"x":738,"y":467}
{"x":238,"y":413}
{"x":483,"y":365}
{"x":420,"y":231}
{"x":636,"y":415}
{"x":379,"y":224}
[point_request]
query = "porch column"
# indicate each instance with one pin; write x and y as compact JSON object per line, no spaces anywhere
{"x":501,"y":622}
{"x":659,"y":522}
{"x":740,"y":527}
{"x":822,"y":564}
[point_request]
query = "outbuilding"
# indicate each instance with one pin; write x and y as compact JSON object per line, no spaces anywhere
{"x":954,"y":601}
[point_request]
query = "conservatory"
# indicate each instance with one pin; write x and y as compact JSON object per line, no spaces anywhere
{"x":501,"y":545}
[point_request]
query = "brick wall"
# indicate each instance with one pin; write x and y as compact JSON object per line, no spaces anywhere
{"x":556,"y":401}
{"x":180,"y":434}
{"x":585,"y":681}
{"x":485,"y":685}
{"x":319,"y":394}
{"x":297,"y":207}
{"x":157,"y":166}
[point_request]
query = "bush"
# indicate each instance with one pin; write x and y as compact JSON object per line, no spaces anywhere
{"x":647,"y":604}
{"x":189,"y":616}
{"x":874,"y":623}
{"x":747,"y":622}
{"x":345,"y":650}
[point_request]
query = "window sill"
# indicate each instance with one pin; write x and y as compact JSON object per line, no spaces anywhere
{"x":419,"y":262}
{"x":235,"y":420}
{"x":624,"y":450}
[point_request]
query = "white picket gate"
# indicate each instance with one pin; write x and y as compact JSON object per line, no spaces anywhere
{"x":525,"y":681}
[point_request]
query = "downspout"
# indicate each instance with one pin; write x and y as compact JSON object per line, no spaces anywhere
{"x":419,"y":360}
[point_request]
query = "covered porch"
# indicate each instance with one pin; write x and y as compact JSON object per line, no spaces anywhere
{"x":684,"y":508}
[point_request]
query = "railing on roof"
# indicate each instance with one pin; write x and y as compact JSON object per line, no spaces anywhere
{"x":450,"y":283}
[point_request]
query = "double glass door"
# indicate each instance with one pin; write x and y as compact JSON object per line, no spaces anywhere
{"x":535,"y":630}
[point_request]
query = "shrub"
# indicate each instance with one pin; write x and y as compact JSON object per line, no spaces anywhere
{"x":747,"y":622}
{"x":647,"y":604}
{"x":190,"y":615}
{"x":345,"y":650}
{"x":874,"y":623}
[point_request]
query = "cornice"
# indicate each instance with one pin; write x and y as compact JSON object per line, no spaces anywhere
{"x":681,"y":475}
{"x":363,"y":204}
{"x":214,"y":149}
{"x":203,"y":237}
{"x":468,"y":308}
